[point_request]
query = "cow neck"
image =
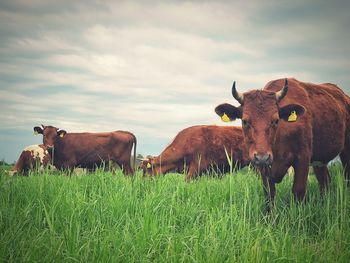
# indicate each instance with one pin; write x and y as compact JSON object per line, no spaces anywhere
{"x":56,"y":152}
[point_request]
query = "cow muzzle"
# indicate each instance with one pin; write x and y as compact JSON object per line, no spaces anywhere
{"x":262,"y":159}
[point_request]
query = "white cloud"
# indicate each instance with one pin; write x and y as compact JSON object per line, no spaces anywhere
{"x":46,"y":43}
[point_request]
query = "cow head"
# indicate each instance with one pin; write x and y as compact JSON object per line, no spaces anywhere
{"x":51,"y":135}
{"x":146,"y":165}
{"x":261,"y":115}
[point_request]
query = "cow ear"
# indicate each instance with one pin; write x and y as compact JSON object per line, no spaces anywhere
{"x":228,"y":112}
{"x":38,"y":130}
{"x":61,"y":133}
{"x":291,"y":112}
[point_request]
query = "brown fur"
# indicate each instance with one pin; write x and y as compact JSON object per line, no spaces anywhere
{"x":321,"y":132}
{"x":28,"y":160}
{"x":198,"y":148}
{"x":89,"y":150}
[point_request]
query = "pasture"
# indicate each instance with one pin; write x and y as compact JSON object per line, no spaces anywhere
{"x":107,"y":217}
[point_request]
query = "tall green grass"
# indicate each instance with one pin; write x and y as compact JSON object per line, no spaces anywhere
{"x":106,"y":217}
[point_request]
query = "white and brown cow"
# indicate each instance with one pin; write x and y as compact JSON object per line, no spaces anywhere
{"x":32,"y":157}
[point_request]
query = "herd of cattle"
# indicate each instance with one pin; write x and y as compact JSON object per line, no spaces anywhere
{"x":288,"y":123}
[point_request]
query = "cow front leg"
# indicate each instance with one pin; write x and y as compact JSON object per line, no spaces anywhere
{"x":345,"y":159}
{"x":269,"y":191}
{"x":301,"y":171}
{"x":191,"y":173}
{"x":323,"y":177}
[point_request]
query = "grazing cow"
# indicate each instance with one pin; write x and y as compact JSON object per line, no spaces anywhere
{"x":293,"y":123}
{"x":197,"y":149}
{"x":32,"y":157}
{"x":88,"y":150}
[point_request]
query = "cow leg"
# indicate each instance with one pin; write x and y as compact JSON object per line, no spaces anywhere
{"x":191,"y":173}
{"x":301,"y":171}
{"x":323,"y":177}
{"x":127,"y":170}
{"x":269,"y":191}
{"x":66,"y":169}
{"x":125,"y":166}
{"x":345,"y":159}
{"x":69,"y":170}
{"x":196,"y":168}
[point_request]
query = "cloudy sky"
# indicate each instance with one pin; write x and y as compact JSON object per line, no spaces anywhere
{"x":154,"y":67}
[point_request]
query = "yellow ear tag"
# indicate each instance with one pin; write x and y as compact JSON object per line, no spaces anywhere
{"x":62,"y":135}
{"x":35,"y":133}
{"x":293,"y":116}
{"x":149,"y":165}
{"x":225,"y":118}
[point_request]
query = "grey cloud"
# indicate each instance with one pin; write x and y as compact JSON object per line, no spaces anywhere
{"x":156,"y":67}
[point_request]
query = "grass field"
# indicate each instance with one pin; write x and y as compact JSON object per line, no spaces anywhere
{"x":103,"y":217}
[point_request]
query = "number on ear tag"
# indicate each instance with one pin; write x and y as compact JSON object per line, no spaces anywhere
{"x":149,"y":165}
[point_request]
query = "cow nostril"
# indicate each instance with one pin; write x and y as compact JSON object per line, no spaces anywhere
{"x":266,"y":157}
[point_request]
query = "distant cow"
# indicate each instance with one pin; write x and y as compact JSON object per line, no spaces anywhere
{"x":88,"y":150}
{"x":293,"y":123}
{"x":197,"y":149}
{"x":32,"y":157}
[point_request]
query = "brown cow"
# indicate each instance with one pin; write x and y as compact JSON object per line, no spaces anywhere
{"x":88,"y":150}
{"x":197,"y":149}
{"x":293,"y":123}
{"x":32,"y":157}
